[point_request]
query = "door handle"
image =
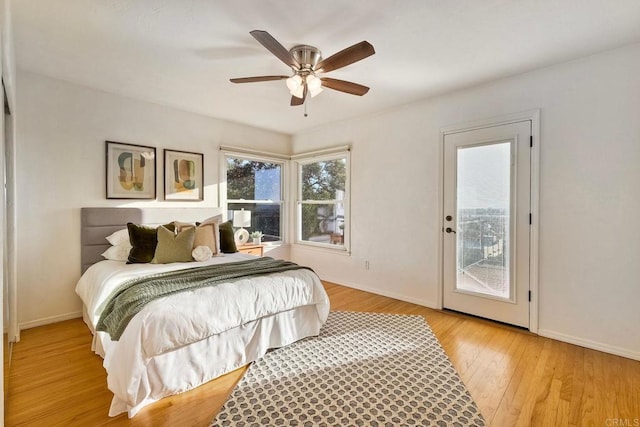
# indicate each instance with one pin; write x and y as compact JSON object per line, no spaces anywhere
{"x":450,"y":230}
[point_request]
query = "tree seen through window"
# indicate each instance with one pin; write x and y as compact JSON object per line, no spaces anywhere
{"x":323,"y":183}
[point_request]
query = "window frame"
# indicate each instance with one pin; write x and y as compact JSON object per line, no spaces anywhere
{"x":300,"y":161}
{"x":265,"y":158}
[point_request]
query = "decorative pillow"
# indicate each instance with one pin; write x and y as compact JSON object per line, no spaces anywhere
{"x":170,"y":226}
{"x":118,"y":252}
{"x":216,"y":221}
{"x":143,"y":242}
{"x":206,"y":236}
{"x":174,"y":247}
{"x":182,"y":225}
{"x":227,"y":241}
{"x":119,"y":237}
{"x":201,"y":253}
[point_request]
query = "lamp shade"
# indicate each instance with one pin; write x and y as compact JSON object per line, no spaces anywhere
{"x":314,"y":84}
{"x":242,"y":218}
{"x":294,"y":82}
{"x":298,"y":93}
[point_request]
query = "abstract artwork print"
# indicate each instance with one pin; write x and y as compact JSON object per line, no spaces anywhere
{"x":131,"y":171}
{"x":183,"y":175}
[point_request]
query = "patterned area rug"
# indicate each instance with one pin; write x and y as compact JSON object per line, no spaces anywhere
{"x":364,"y":369}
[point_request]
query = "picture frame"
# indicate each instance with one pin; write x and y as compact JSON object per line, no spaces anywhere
{"x":130,"y":171}
{"x":183,"y":175}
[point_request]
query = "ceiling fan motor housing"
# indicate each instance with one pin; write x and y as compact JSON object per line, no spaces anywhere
{"x":307,"y":56}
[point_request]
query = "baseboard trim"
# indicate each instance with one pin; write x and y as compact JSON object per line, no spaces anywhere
{"x":384,"y":293}
{"x":593,"y":345}
{"x":48,"y":320}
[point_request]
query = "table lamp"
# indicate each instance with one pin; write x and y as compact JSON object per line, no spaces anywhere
{"x":241,"y":219}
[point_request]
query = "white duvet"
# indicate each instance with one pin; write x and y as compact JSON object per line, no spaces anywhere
{"x":197,"y":318}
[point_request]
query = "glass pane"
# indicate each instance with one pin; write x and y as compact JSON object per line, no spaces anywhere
{"x":324,"y":180}
{"x":483,"y":201}
{"x":323,"y":223}
{"x":264,"y":217}
{"x":252,"y":180}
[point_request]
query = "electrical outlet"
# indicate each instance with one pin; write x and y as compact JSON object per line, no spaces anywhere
{"x":366,"y":265}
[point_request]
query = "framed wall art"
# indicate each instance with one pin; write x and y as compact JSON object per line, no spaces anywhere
{"x":131,"y":171}
{"x":183,"y":175}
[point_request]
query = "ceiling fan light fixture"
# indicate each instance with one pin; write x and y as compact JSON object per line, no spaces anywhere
{"x":314,"y":92}
{"x":314,"y":84}
{"x":294,"y":83}
{"x":299,"y":92}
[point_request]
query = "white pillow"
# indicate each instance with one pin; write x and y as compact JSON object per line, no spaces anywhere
{"x":118,"y":252}
{"x":202,"y":253}
{"x":119,"y":237}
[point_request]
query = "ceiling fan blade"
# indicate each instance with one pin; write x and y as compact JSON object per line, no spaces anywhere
{"x":344,"y":86}
{"x":295,"y":101}
{"x":257,"y":79}
{"x":345,"y":57}
{"x":273,"y":46}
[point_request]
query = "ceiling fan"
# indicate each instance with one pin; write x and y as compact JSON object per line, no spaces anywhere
{"x":306,"y":63}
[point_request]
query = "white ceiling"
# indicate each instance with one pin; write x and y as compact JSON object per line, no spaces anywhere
{"x":181,"y":53}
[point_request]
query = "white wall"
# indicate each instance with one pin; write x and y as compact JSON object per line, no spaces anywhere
{"x":61,"y":168}
{"x":589,"y":195}
{"x":589,"y":233}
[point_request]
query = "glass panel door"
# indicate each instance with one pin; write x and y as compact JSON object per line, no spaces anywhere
{"x":486,"y":230}
{"x":483,"y":219}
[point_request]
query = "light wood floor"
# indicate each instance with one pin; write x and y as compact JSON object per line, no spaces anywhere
{"x":516,"y":378}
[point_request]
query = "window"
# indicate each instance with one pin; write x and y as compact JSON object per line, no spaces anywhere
{"x":255,"y":185}
{"x":323,"y":201}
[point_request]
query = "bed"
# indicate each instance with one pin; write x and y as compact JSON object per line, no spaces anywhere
{"x":178,"y":342}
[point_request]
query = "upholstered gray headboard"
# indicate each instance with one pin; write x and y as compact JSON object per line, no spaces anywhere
{"x":98,"y":223}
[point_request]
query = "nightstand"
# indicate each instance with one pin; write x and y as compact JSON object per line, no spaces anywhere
{"x":256,"y":250}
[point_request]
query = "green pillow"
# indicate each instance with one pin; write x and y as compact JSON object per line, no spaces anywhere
{"x":143,"y":242}
{"x":174,"y":248}
{"x":227,"y":241}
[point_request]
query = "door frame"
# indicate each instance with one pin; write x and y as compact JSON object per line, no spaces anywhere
{"x":534,"y":229}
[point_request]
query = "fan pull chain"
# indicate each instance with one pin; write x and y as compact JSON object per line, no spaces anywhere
{"x":305,"y":108}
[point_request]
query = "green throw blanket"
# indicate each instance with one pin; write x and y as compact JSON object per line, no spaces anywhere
{"x":134,"y":294}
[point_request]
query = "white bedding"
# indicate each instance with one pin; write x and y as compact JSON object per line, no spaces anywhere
{"x":176,"y":343}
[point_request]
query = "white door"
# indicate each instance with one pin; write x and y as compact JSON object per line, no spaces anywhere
{"x":487,"y":186}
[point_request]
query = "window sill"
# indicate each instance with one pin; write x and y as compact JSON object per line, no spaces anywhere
{"x":333,"y":249}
